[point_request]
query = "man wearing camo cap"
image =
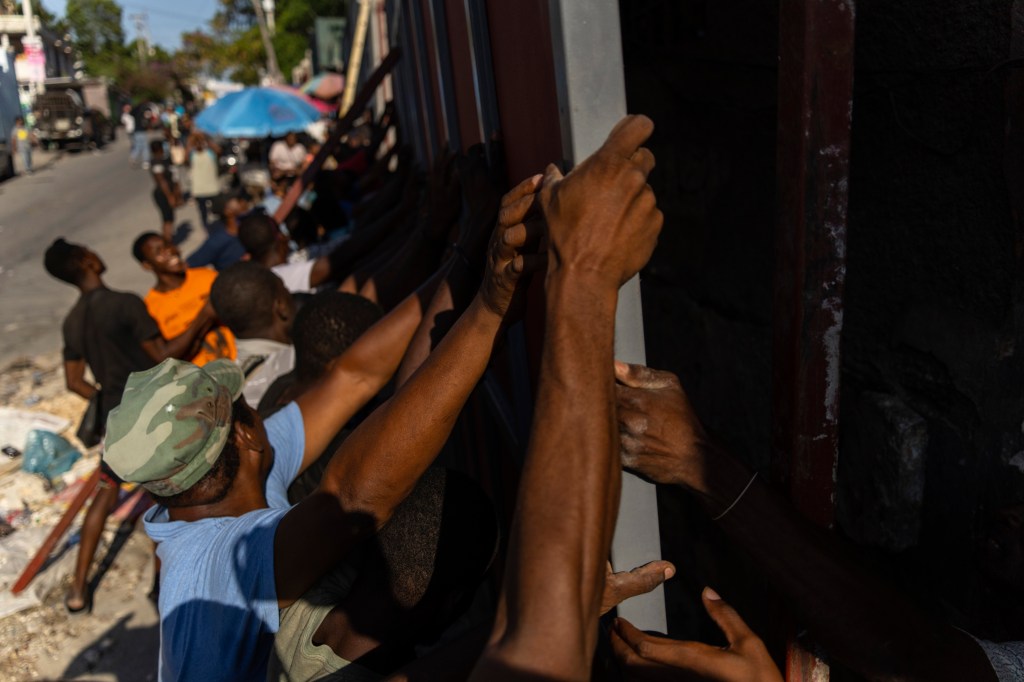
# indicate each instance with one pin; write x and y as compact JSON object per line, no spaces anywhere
{"x":238,"y":563}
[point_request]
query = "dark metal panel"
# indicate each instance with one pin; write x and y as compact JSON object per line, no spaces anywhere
{"x":443,"y":72}
{"x":483,"y":70}
{"x":460,"y":50}
{"x":431,"y":74}
{"x":420,"y":78}
{"x":520,"y":38}
{"x":815,"y":105}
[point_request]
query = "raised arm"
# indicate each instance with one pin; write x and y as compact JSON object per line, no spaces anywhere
{"x":603,"y":225}
{"x":184,"y":345}
{"x":481,"y":201}
{"x":380,"y":462}
{"x":861,"y":620}
{"x":358,"y":374}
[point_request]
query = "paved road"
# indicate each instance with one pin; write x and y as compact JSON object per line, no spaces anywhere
{"x":95,"y":199}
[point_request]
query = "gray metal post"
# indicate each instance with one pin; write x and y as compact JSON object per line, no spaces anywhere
{"x":592,"y":98}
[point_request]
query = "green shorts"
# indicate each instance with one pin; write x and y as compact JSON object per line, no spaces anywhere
{"x":296,"y":658}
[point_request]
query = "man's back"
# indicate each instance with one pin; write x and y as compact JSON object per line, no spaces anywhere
{"x":106,"y":329}
{"x":218,"y":599}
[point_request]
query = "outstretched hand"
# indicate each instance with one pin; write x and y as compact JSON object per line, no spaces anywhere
{"x":602,"y":217}
{"x":618,"y":587}
{"x":660,"y":435}
{"x":509,"y":253}
{"x":648,"y":658}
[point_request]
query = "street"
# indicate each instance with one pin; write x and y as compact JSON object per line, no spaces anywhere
{"x":92,"y":198}
{"x":96,"y":199}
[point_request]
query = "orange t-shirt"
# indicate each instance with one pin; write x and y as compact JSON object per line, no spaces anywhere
{"x":175,"y":310}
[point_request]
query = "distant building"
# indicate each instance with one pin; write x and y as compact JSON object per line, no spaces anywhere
{"x":51,"y":56}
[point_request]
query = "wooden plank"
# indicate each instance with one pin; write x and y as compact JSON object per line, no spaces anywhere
{"x":57,"y":533}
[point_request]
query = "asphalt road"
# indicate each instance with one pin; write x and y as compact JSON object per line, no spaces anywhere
{"x":92,"y":198}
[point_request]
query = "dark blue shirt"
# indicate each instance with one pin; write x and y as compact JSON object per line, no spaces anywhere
{"x":221,"y":250}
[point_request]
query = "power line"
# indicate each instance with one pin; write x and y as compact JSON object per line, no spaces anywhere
{"x":162,"y":12}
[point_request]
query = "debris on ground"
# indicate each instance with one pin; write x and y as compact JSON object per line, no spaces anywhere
{"x":38,"y":638}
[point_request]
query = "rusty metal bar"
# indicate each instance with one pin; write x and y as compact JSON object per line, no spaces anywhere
{"x":814,"y":111}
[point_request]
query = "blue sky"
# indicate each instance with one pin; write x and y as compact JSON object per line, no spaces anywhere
{"x":167,"y":20}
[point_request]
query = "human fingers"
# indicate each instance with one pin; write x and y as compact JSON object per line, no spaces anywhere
{"x":631,"y":417}
{"x":706,"y":661}
{"x":644,"y":159}
{"x":636,"y":668}
{"x":523,"y":233}
{"x":647,"y":221}
{"x":726,"y":617}
{"x":552,"y":176}
{"x":516,"y":211}
{"x":627,"y":136}
{"x":528,"y":186}
{"x":620,"y":586}
{"x":529,"y":262}
{"x":641,"y":376}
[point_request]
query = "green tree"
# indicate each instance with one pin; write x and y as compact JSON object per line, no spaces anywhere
{"x":99,"y":34}
{"x":232,"y":47}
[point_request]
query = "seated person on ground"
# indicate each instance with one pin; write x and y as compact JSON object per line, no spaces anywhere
{"x":221,"y":249}
{"x":324,"y":328}
{"x":259,"y":311}
{"x":263,"y":240}
{"x":236,"y":557}
{"x":179,"y":295}
{"x":287,"y":156}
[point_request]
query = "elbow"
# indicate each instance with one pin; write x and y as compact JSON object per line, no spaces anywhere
{"x":365,"y":506}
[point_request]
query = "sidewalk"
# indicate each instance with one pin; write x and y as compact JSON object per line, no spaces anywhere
{"x":44,"y":159}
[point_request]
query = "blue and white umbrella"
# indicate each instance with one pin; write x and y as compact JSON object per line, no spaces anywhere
{"x":256,"y":112}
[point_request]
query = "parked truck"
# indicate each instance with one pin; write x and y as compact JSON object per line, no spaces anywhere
{"x":10,"y":108}
{"x":74,"y":113}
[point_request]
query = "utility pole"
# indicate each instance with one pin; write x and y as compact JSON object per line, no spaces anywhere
{"x":30,"y":20}
{"x":141,"y":35}
{"x":355,"y":60}
{"x":273,"y":71}
{"x":268,"y":10}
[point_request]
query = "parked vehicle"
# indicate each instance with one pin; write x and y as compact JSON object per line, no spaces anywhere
{"x":74,"y":114}
{"x":10,"y":108}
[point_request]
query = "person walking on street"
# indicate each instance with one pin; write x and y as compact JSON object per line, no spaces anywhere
{"x":166,"y":192}
{"x":128,"y":121}
{"x":202,"y":156}
{"x":21,"y":142}
{"x":140,"y":139}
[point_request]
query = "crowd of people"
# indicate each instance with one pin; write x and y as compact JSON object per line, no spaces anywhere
{"x":284,"y":391}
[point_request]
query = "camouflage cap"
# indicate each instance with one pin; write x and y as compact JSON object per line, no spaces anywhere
{"x":172,"y":424}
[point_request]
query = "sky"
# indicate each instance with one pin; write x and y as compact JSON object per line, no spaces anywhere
{"x":167,"y":20}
